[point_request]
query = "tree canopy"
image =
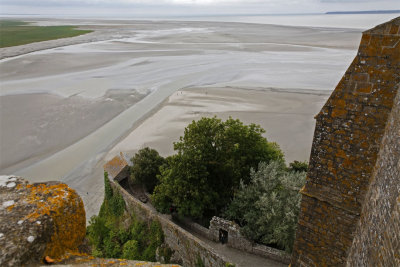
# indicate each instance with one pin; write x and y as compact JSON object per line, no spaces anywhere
{"x":146,"y":164}
{"x":268,"y":207}
{"x":213,"y":156}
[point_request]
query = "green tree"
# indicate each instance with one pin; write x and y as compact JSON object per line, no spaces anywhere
{"x":267,"y":208}
{"x":213,"y":157}
{"x":146,"y":167}
{"x":298,"y":166}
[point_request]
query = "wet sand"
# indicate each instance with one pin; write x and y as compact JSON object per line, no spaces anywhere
{"x":287,"y":117}
{"x":66,"y":103}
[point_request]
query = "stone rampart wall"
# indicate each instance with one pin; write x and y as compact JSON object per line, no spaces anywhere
{"x":188,"y":247}
{"x":377,"y":239}
{"x":194,"y":227}
{"x":347,"y":139}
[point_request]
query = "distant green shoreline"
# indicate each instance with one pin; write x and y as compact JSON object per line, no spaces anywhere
{"x":13,"y":33}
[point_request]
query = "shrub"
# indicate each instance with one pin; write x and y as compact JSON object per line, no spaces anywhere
{"x":298,"y":166}
{"x":117,"y":204}
{"x":130,"y":250}
{"x":268,"y":207}
{"x":108,"y":192}
{"x":111,"y":239}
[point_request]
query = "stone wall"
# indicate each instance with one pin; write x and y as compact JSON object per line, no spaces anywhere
{"x":347,"y":139}
{"x":377,"y":238}
{"x":236,"y":240}
{"x":193,"y":227}
{"x":188,"y":247}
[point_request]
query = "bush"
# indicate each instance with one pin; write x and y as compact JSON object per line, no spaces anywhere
{"x":146,"y":167}
{"x":130,"y":250}
{"x":108,"y":192}
{"x":117,"y":204}
{"x":213,"y":156}
{"x":267,"y":208}
{"x":110,"y":239}
{"x":298,"y":166}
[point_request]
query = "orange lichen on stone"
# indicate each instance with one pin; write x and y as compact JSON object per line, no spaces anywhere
{"x":41,"y":220}
{"x":338,"y":113}
{"x":115,"y":166}
{"x":65,"y":207}
{"x":9,"y":209}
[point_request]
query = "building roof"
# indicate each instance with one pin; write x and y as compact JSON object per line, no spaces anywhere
{"x":116,"y":165}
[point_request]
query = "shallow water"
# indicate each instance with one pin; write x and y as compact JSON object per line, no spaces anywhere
{"x":359,"y":21}
{"x":150,"y":58}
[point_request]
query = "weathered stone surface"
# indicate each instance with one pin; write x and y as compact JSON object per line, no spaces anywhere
{"x":38,"y":220}
{"x":347,"y":139}
{"x":377,"y":238}
{"x":118,"y":167}
{"x":235,"y":238}
{"x":238,"y":241}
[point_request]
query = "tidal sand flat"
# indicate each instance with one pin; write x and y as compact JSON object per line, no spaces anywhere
{"x":287,"y":116}
{"x":82,"y":97}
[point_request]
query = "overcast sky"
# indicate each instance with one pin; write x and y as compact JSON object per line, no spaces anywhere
{"x":188,"y":7}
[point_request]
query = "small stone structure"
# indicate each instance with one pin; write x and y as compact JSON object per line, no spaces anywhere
{"x":234,"y":239}
{"x":38,"y":220}
{"x":350,"y":203}
{"x":118,"y":168}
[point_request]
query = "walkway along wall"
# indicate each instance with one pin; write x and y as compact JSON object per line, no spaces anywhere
{"x":189,"y":247}
{"x":236,"y":240}
{"x":347,"y":140}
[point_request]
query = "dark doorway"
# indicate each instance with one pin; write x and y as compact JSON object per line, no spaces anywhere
{"x":223,"y":236}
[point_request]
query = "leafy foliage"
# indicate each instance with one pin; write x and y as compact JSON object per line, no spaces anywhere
{"x":108,"y":192}
{"x":111,"y":239}
{"x":298,"y":166}
{"x":130,"y":250}
{"x":213,"y":156}
{"x":199,"y":262}
{"x":146,"y":165}
{"x":268,"y":207}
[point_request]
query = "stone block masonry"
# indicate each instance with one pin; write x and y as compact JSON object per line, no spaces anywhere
{"x":188,"y":247}
{"x":348,"y":138}
{"x":377,"y":238}
{"x":236,"y":240}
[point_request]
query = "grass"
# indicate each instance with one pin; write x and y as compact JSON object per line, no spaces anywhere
{"x":14,"y":33}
